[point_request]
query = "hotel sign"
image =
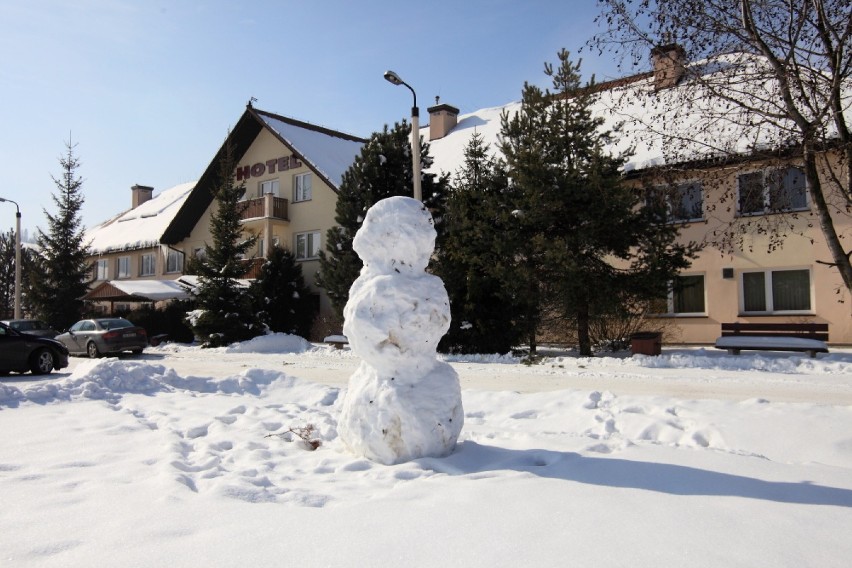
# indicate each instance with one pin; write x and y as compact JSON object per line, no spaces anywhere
{"x":268,"y":167}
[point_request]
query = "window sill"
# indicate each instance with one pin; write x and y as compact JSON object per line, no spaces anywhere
{"x":775,"y":314}
{"x":681,"y":316}
{"x":771,"y":212}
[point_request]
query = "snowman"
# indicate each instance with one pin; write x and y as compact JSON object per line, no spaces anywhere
{"x":402,"y":403}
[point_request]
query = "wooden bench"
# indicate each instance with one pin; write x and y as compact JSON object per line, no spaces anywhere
{"x":337,"y":341}
{"x":807,"y":338}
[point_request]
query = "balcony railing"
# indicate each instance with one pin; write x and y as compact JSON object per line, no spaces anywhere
{"x":266,"y":206}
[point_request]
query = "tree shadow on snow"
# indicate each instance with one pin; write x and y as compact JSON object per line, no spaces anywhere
{"x":471,"y":458}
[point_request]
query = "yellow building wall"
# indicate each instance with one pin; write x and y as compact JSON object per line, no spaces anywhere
{"x":316,"y":214}
{"x":802,"y":247}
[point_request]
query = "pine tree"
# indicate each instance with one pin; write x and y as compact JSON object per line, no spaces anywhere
{"x":383,"y":169}
{"x":227,"y":313}
{"x":7,"y":274}
{"x":488,"y":306}
{"x":61,"y":277}
{"x":584,"y":234}
{"x":281,"y":299}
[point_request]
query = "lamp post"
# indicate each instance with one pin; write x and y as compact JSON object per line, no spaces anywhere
{"x":392,"y":77}
{"x":17,"y":257}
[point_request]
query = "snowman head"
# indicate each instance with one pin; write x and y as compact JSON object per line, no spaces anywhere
{"x":398,"y":236}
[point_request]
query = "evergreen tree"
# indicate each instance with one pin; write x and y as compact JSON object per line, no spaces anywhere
{"x":7,"y":274}
{"x":281,"y":299}
{"x":582,"y":231}
{"x":382,"y":169}
{"x":61,"y":277}
{"x":488,"y":305}
{"x":225,"y":307}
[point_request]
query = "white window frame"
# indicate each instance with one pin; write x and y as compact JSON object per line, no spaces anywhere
{"x":272,"y":186}
{"x":768,"y":296}
{"x":149,"y":259}
{"x":102,"y":269}
{"x":671,"y":303}
{"x":668,"y":191}
{"x":174,"y":261}
{"x":301,"y":190}
{"x":766,"y":188}
{"x":122,"y":267}
{"x":307,"y":243}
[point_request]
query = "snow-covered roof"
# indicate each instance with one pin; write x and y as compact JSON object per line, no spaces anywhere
{"x":666,"y":126}
{"x":152,"y":289}
{"x":331,"y":153}
{"x":140,"y":227}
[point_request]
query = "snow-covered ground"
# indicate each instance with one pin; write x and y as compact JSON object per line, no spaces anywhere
{"x":179,"y":458}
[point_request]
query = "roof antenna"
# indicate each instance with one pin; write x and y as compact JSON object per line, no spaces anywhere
{"x":251,"y":100}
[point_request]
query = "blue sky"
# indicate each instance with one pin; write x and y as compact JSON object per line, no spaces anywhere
{"x":148,"y":89}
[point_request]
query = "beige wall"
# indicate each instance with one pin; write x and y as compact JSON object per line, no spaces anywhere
{"x":801,"y":248}
{"x":316,"y":214}
{"x":135,"y":257}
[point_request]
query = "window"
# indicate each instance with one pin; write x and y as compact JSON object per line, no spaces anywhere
{"x":174,"y":261}
{"x":102,"y":270}
{"x":307,"y":245}
{"x":678,"y":203}
{"x":771,"y":291}
{"x":122,"y":267}
{"x":301,"y":187}
{"x":686,"y":297}
{"x":772,"y":191}
{"x":271,"y":186}
{"x":149,"y":265}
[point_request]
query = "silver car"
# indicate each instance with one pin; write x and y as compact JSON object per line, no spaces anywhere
{"x":102,"y":336}
{"x":32,"y":327}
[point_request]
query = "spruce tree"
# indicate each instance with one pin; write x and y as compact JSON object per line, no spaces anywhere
{"x":281,"y":299}
{"x":226,"y":311}
{"x":61,"y":277}
{"x":590,"y":242}
{"x":488,"y":305}
{"x":7,"y":274}
{"x":382,"y":169}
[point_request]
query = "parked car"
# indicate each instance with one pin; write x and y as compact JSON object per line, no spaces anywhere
{"x":22,"y":352}
{"x":31,"y":326}
{"x":102,"y":336}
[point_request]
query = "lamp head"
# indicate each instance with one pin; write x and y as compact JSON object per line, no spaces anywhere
{"x":392,"y":77}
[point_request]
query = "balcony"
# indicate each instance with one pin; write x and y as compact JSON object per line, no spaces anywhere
{"x":267,"y":206}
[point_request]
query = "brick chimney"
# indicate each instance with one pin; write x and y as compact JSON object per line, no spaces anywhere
{"x":669,"y":63}
{"x":140,"y":194}
{"x":442,"y":119}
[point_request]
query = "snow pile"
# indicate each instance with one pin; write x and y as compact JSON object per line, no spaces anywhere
{"x":402,"y":402}
{"x":270,"y":343}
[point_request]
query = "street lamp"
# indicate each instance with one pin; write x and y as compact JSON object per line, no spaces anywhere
{"x":392,"y":77}
{"x":17,"y":257}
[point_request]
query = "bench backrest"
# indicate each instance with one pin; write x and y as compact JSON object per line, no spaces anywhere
{"x":809,"y":330}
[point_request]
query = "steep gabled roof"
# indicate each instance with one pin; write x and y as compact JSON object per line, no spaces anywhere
{"x":141,"y":227}
{"x":325,"y":152}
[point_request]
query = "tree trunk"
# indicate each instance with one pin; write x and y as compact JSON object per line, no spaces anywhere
{"x":839,"y":258}
{"x":583,"y":330}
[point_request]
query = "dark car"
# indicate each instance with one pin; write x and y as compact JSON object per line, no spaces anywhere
{"x":22,"y":352}
{"x":102,"y":336}
{"x":33,"y":327}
